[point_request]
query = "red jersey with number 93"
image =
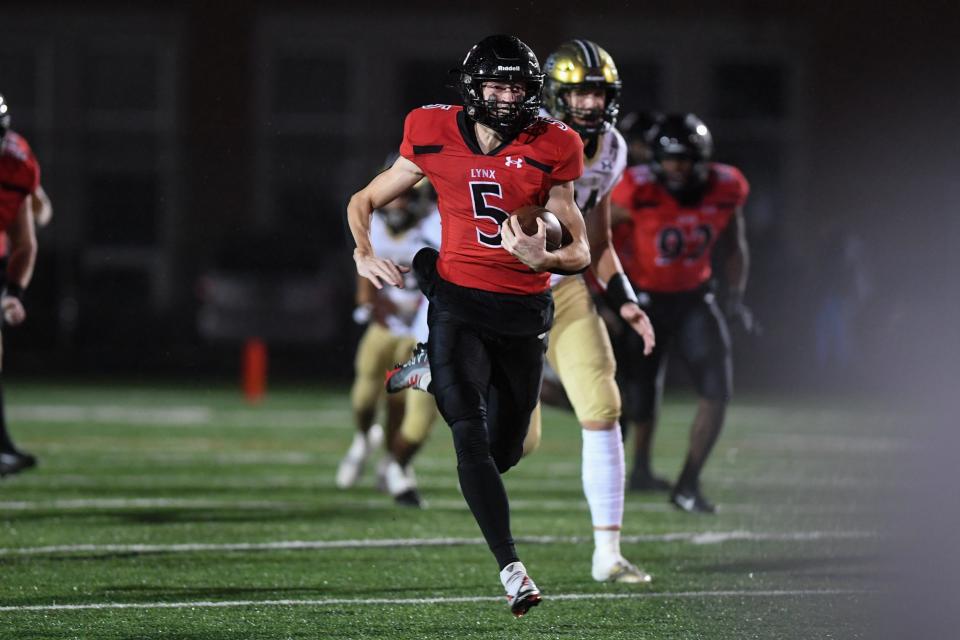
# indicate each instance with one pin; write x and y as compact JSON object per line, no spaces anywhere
{"x":476,"y":192}
{"x":667,"y":247}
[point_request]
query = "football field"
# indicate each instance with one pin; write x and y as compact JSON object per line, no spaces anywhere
{"x":183,"y":513}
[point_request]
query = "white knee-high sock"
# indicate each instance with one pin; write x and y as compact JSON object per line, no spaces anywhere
{"x":603,"y":475}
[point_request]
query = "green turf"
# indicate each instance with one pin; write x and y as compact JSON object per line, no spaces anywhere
{"x":124,"y":465}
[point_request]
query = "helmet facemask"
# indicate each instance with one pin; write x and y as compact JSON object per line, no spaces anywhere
{"x":588,"y":122}
{"x":505,"y":60}
{"x":686,"y":138}
{"x":4,"y":119}
{"x":582,"y":65}
{"x":506,"y":118}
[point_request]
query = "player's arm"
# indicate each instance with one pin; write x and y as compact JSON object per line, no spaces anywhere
{"x":23,"y":256}
{"x":40,"y":207}
{"x":736,"y":268}
{"x":605,"y":263}
{"x":393,"y":182}
{"x":737,"y":264}
{"x":532,"y":250}
{"x":618,"y":214}
{"x":364,"y":298}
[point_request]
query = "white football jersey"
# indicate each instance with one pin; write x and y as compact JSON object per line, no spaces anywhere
{"x":400,"y":249}
{"x":601,"y":173}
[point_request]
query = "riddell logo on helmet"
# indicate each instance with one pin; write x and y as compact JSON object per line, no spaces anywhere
{"x":503,"y":68}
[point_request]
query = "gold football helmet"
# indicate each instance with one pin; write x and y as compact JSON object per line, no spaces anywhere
{"x":581,"y":64}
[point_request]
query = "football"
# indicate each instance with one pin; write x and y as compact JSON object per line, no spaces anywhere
{"x":557,"y":234}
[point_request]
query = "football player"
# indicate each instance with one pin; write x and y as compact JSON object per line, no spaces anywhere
{"x":675,"y":211}
{"x":397,"y":231}
{"x":19,"y":186}
{"x":582,"y":89}
{"x":489,"y":285}
{"x":635,"y":127}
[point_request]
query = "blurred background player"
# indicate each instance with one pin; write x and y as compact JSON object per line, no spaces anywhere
{"x":489,"y":286}
{"x":635,"y":127}
{"x":582,"y":88}
{"x":397,"y":231}
{"x":675,"y":211}
{"x":21,"y":201}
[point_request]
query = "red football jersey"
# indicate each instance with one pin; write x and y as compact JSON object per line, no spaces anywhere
{"x":476,"y":192}
{"x":19,"y":176}
{"x":666,"y":247}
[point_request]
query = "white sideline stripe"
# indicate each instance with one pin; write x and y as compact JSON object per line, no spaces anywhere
{"x":693,"y":537}
{"x":144,"y":503}
{"x":348,"y":503}
{"x":207,"y":604}
{"x":185,"y":416}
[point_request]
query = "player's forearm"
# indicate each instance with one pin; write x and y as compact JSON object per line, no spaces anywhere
{"x":359,"y":210}
{"x":366,"y":292}
{"x":606,"y":263}
{"x":737,"y":270}
{"x":21,"y":263}
{"x":573,"y":258}
{"x":41,"y":207}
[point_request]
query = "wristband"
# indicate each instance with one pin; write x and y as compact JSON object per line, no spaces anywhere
{"x":14,"y":291}
{"x":361,"y":315}
{"x":619,"y":292}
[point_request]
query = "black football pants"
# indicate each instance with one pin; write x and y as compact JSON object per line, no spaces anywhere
{"x":691,"y":323}
{"x":486,"y":386}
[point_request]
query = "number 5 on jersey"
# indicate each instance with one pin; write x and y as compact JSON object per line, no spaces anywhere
{"x":483,"y":210}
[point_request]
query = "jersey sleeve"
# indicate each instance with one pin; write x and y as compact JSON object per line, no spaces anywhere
{"x":620,"y":161}
{"x":19,"y":168}
{"x":569,"y":164}
{"x":733,"y":183}
{"x":743,"y":187}
{"x":410,"y":126}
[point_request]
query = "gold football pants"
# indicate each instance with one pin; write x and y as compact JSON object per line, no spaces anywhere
{"x":377,"y":352}
{"x":580,"y":352}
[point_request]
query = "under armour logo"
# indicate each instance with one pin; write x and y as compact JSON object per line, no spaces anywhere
{"x":606,"y":165}
{"x":514,"y":162}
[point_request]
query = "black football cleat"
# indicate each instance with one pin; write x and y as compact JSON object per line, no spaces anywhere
{"x":12,"y":462}
{"x":647,"y":482}
{"x":691,"y":501}
{"x":409,"y":498}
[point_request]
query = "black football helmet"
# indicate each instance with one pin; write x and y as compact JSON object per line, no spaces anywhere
{"x":635,"y":127}
{"x":582,"y":64}
{"x":682,"y":136}
{"x":505,"y":59}
{"x":4,"y":117}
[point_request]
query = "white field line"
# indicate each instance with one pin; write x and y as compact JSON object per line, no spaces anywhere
{"x":145,"y":503}
{"x":352,"y":504}
{"x":207,"y":604}
{"x":185,"y":416}
{"x":429,"y":480}
{"x":692,"y":537}
{"x":339,"y":418}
